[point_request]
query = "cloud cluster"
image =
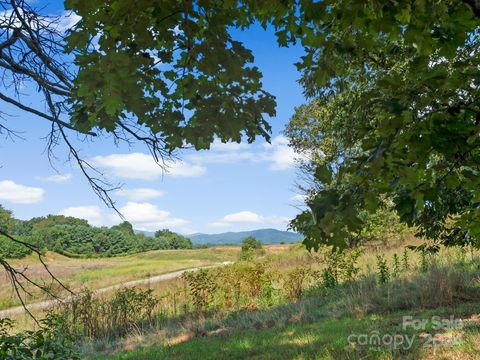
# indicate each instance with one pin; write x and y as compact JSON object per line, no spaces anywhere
{"x":142,"y":215}
{"x":57,"y":178}
{"x":147,"y":216}
{"x":247,"y":219}
{"x":141,"y":166}
{"x":93,"y":214}
{"x":278,"y":154}
{"x":20,"y":194}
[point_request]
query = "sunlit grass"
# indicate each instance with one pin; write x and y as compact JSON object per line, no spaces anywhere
{"x":103,"y":272}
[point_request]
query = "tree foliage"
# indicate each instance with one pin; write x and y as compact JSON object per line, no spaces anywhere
{"x":395,"y":114}
{"x":395,"y":88}
{"x":173,"y":66}
{"x":48,"y":342}
{"x":76,"y":238}
{"x":8,"y":248}
{"x":250,"y":243}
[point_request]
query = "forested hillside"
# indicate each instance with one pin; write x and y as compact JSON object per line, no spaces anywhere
{"x":77,"y":238}
{"x":266,"y":236}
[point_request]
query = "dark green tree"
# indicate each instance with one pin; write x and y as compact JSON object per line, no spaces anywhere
{"x":395,"y":114}
{"x":167,"y":239}
{"x":250,"y":243}
{"x":124,"y":227}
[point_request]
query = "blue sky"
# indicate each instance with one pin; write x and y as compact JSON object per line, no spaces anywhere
{"x":229,"y":188}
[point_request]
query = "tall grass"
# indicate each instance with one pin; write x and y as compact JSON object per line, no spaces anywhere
{"x":271,"y":291}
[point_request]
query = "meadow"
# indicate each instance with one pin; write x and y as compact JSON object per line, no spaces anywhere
{"x":102,"y":272}
{"x":281,"y":300}
{"x":307,"y":317}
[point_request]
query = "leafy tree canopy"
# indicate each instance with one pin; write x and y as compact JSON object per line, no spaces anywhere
{"x":395,"y":113}
{"x":172,"y":66}
{"x":76,"y":238}
{"x":395,"y":84}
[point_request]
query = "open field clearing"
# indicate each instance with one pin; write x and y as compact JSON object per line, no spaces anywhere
{"x":103,"y":272}
{"x":284,"y":301}
{"x":100,"y":273}
{"x":316,"y":321}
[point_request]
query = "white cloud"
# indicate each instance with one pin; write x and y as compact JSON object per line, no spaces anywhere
{"x":143,"y":216}
{"x":279,"y":154}
{"x":58,"y":178}
{"x":142,"y":166}
{"x":93,"y":214}
{"x":20,"y":194}
{"x":140,"y":194}
{"x":67,"y":20}
{"x":147,"y":216}
{"x":242,"y":216}
{"x":185,"y":169}
{"x":247,"y":218}
{"x":217,"y":145}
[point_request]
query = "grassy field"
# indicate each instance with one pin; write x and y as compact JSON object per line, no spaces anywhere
{"x":321,"y":324}
{"x":252,"y":310}
{"x":326,"y":339}
{"x":103,"y":272}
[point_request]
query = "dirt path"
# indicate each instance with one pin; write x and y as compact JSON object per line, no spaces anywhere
{"x":153,"y":279}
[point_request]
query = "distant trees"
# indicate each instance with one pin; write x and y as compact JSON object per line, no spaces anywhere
{"x":170,"y":240}
{"x":76,"y":238}
{"x":125,"y":227}
{"x":8,"y":248}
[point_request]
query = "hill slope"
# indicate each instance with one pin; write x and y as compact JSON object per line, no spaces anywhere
{"x":266,"y":236}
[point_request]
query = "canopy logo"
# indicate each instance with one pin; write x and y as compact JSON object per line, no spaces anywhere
{"x":431,"y":332}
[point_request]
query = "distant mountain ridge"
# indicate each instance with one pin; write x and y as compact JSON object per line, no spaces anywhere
{"x":266,"y":236}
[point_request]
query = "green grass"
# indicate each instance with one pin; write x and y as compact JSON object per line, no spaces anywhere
{"x":319,"y":325}
{"x":321,"y":339}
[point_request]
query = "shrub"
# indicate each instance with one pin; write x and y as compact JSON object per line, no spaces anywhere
{"x":202,"y":286}
{"x":49,"y":342}
{"x":348,"y":264}
{"x":328,"y":278}
{"x":405,"y":260}
{"x":383,"y":271}
{"x":341,"y":265}
{"x":93,"y":317}
{"x":295,"y":282}
{"x":249,"y":246}
{"x":395,"y":266}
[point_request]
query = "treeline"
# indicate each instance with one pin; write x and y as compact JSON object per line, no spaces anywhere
{"x":76,"y":238}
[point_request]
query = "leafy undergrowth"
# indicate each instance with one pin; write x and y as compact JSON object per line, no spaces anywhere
{"x":291,"y":305}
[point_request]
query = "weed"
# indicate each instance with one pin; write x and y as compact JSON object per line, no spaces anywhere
{"x":382,"y":269}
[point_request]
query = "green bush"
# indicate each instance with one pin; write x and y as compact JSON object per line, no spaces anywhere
{"x":12,"y":250}
{"x":49,"y":342}
{"x":249,"y":246}
{"x":383,"y":271}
